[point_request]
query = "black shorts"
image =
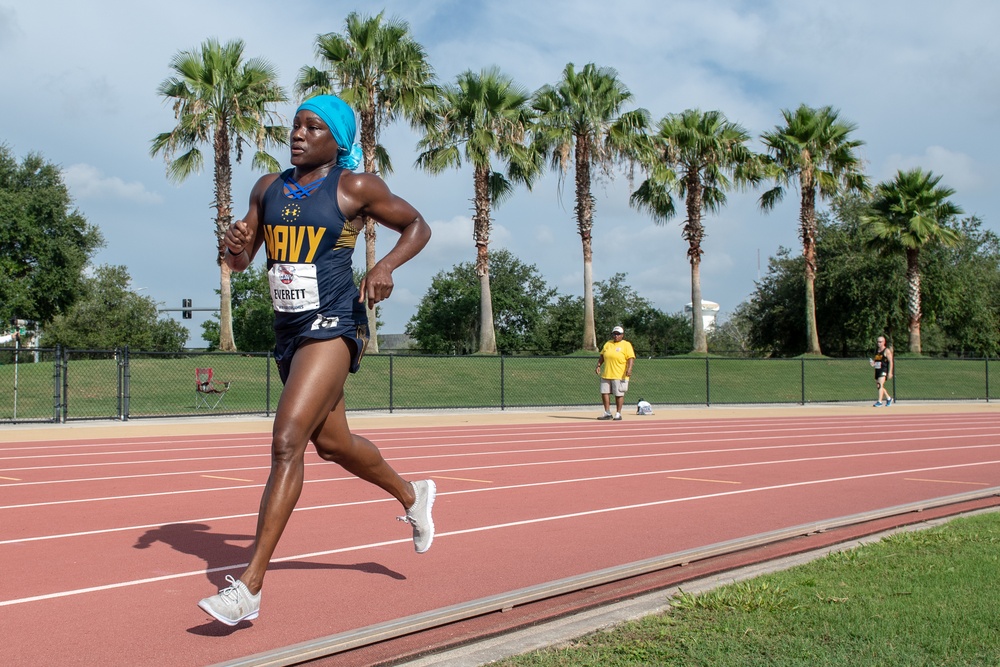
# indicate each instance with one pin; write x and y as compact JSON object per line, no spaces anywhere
{"x":356,"y":337}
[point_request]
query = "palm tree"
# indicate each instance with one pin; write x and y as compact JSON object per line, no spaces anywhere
{"x":223,"y":100}
{"x":693,"y":154}
{"x":382,"y":72}
{"x":909,"y":213}
{"x":813,"y":148}
{"x":581,"y":120}
{"x":482,"y":115}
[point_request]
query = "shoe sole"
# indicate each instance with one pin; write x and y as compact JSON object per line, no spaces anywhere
{"x":249,"y":617}
{"x":431,"y":495}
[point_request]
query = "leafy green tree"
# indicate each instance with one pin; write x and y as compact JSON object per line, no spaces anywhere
{"x":961,"y":302}
{"x":446,"y":322}
{"x":447,"y":316}
{"x":655,"y":333}
{"x":253,"y":315}
{"x":731,"y":337}
{"x":814,"y":150}
{"x":775,"y":307}
{"x":862,"y":294}
{"x":225,"y":101}
{"x":44,"y":242}
{"x":859,"y":294}
{"x":109,"y":314}
{"x":910,"y":213}
{"x":694,"y":154}
{"x":482,"y":115}
{"x":582,"y":121}
{"x":560,"y":328}
{"x":615,"y":300}
{"x":377,"y":67}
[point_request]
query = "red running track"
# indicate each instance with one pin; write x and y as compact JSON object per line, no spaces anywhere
{"x":107,"y":544}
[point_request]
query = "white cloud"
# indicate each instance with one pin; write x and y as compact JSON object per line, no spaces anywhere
{"x":88,"y":182}
{"x":9,"y":29}
{"x":450,"y":237}
{"x":957,"y":170}
{"x":920,"y":79}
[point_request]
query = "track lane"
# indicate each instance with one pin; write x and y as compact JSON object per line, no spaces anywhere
{"x":544,"y":503}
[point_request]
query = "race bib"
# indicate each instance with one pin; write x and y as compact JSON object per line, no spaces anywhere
{"x":294,"y":287}
{"x":878,"y":364}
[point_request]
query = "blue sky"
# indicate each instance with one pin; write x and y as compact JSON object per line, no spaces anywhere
{"x":920,"y":79}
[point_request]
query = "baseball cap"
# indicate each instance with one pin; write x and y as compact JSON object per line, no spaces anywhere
{"x":618,"y":330}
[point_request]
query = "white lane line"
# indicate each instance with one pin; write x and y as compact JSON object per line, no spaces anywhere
{"x":779,"y":433}
{"x":597,"y":478}
{"x":603,"y":447}
{"x":479,"y":529}
{"x":713,"y":481}
{"x":944,"y":481}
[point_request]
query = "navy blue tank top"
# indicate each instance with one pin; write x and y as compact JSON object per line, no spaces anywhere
{"x":309,"y":247}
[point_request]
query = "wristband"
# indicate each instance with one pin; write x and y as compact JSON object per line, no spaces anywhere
{"x":235,"y":254}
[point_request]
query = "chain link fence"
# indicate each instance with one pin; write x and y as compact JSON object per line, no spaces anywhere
{"x":57,"y":385}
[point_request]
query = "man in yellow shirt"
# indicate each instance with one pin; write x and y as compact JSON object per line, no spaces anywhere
{"x":617,"y":357}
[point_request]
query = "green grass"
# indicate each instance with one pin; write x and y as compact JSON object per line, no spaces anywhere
{"x":919,"y":599}
{"x":164,"y":386}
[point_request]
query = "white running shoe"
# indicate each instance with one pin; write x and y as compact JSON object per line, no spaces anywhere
{"x":419,"y":514}
{"x":233,"y":604}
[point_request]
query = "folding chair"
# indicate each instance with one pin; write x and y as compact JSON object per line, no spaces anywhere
{"x":208,"y":393}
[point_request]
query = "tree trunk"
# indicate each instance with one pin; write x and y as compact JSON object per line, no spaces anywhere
{"x":694,"y":233}
{"x":369,"y":263}
{"x":913,"y":298}
{"x":224,"y":218}
{"x":226,"y":307}
{"x":368,"y":143}
{"x":697,"y":320}
{"x":589,"y":333}
{"x":807,"y":228}
{"x":481,"y":225}
{"x":585,"y":224}
{"x":487,"y":334}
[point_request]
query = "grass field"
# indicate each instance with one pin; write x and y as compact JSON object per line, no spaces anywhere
{"x":914,"y":599}
{"x":159,"y":385}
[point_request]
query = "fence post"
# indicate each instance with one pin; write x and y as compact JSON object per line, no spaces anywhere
{"x":56,"y":372}
{"x":119,"y":357}
{"x":391,"y":375}
{"x":65,"y":387}
{"x":803,"y":360}
{"x":17,"y":355}
{"x":126,"y":379}
{"x":267,"y":385}
{"x":987,"y":378}
{"x":502,"y":405}
{"x":708,"y":394}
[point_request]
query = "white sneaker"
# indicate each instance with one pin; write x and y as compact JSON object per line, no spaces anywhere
{"x":419,"y":514}
{"x":232,"y":604}
{"x":618,"y":417}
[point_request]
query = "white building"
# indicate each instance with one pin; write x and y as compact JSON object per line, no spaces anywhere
{"x":709,"y":311}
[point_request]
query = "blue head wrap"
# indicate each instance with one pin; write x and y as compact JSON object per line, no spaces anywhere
{"x":340,"y":119}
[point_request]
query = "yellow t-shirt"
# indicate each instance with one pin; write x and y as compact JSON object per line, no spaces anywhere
{"x":615,"y":355}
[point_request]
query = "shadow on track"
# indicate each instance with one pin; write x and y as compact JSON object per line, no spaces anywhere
{"x":221,"y":557}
